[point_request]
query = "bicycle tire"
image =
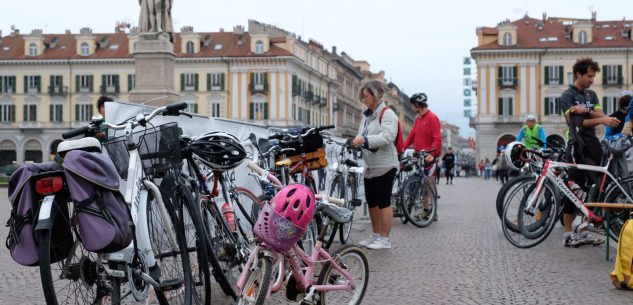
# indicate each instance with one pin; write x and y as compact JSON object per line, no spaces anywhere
{"x":258,"y":282}
{"x":336,"y":190}
{"x":414,"y":189}
{"x":513,"y":196}
{"x":195,"y":239}
{"x":219,"y":251}
{"x":618,"y":217}
{"x":343,"y":258}
{"x":507,"y":187}
{"x":244,"y":199}
{"x":78,"y":281}
{"x":517,"y":239}
{"x":345,"y":229}
{"x":173,"y":264}
{"x":396,"y":205}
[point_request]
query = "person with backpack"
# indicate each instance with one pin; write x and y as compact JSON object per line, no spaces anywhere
{"x":377,"y":133}
{"x":425,"y":135}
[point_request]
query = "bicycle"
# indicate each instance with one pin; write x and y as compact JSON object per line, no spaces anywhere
{"x":539,"y":208}
{"x":345,"y":185}
{"x":154,"y":259}
{"x":416,"y":189}
{"x":255,"y":282}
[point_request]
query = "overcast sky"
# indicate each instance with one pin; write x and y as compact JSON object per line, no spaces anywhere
{"x":419,"y":44}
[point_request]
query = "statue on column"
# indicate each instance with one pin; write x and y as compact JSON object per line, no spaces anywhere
{"x":156,"y":17}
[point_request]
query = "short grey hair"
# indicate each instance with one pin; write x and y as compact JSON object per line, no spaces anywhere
{"x":375,"y":87}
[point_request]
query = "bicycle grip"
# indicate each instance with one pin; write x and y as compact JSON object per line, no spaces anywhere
{"x":176,"y":107}
{"x":325,"y":127}
{"x":276,"y":136}
{"x":254,"y":167}
{"x":338,"y":201}
{"x":75,"y":132}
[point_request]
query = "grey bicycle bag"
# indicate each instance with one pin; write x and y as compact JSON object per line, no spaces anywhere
{"x":103,"y":217}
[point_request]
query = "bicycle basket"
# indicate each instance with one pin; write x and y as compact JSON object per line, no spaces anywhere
{"x":158,"y":148}
{"x":277,"y":232}
{"x":311,"y":143}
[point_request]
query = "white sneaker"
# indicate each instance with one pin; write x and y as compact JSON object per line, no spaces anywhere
{"x":369,"y":240}
{"x":380,"y":243}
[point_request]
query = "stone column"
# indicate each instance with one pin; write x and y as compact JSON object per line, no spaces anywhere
{"x":154,"y":62}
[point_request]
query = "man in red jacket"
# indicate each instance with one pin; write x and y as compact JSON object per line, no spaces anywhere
{"x":426,"y":135}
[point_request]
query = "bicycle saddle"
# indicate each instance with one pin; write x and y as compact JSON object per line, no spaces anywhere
{"x":338,"y":214}
{"x":87,"y":143}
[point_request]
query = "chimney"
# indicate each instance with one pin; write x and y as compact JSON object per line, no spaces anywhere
{"x":334,"y":50}
{"x":221,"y":30}
{"x":67,"y":32}
{"x":593,"y":16}
{"x":0,"y":36}
{"x":544,"y":16}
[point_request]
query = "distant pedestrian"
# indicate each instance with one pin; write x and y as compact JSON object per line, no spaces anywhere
{"x":449,"y":164}
{"x":487,"y":169}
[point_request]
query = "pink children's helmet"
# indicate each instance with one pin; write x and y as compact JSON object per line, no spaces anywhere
{"x":295,"y":203}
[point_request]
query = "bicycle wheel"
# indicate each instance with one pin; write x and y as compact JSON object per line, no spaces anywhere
{"x":258,"y":282}
{"x":514,"y":211}
{"x":346,"y":229}
{"x":414,"y":192}
{"x":513,"y":196}
{"x":336,"y":190}
{"x":195,"y":239}
{"x":171,"y":260}
{"x":220,"y":245}
{"x":68,"y":277}
{"x":352,"y":260}
{"x":508,"y":187}
{"x":395,"y":201}
{"x":617,"y":217}
{"x":245,"y":200}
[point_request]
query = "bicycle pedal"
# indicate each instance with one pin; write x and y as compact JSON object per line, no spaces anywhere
{"x":356,"y":202}
{"x":170,"y":284}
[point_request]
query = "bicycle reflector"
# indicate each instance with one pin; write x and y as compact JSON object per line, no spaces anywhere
{"x":49,"y":185}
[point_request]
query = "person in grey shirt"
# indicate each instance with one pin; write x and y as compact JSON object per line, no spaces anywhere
{"x":377,"y":137}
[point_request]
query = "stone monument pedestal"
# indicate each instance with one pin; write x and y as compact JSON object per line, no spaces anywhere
{"x":154,"y":62}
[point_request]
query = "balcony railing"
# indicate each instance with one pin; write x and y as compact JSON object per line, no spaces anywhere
{"x":296,"y":90}
{"x":259,"y":88}
{"x":84,"y":89}
{"x":308,"y":96}
{"x":616,"y":80}
{"x":323,"y":102}
{"x":32,"y":90}
{"x":57,"y":90}
{"x":109,"y":89}
{"x":317,"y":100}
{"x":555,"y":81}
{"x":508,"y":82}
{"x":30,"y":125}
{"x":216,"y":87}
{"x":7,"y":90}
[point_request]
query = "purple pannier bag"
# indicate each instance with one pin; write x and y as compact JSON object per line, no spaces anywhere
{"x":103,"y":217}
{"x":22,"y":241}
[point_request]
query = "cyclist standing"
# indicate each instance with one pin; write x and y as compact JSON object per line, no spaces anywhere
{"x":582,"y":112}
{"x":381,"y":162}
{"x":449,"y":164}
{"x":425,"y":135}
{"x":530,"y":132}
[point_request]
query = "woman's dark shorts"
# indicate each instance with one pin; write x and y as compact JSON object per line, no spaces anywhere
{"x":378,"y":190}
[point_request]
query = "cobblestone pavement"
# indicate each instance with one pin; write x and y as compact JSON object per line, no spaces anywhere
{"x":461,"y":259}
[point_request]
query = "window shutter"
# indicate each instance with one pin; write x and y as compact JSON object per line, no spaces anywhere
{"x":514,"y":73}
{"x":76,"y":83}
{"x":91,"y":83}
{"x":251,"y":108}
{"x":129,"y":82}
{"x":51,"y":83}
{"x":252,"y":79}
{"x":266,"y":111}
{"x":500,"y":75}
{"x":195,"y":108}
{"x":116,"y":83}
{"x":38,"y":81}
{"x":500,"y":106}
{"x":24,"y":113}
{"x":182,"y":82}
{"x":222,"y":82}
{"x":26,"y":85}
{"x":604,"y":104}
{"x":77,"y":112}
{"x":619,"y":74}
{"x":510,"y":106}
{"x":195,"y":82}
{"x":51,"y":111}
{"x":547,"y":75}
{"x":605,"y":71}
{"x":561,"y":75}
{"x":103,"y":83}
{"x":12,"y":114}
{"x":208,"y":81}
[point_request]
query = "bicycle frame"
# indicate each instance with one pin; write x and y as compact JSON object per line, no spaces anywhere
{"x":550,"y":173}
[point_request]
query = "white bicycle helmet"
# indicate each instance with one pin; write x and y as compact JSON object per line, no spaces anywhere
{"x":515,"y":155}
{"x":218,"y":150}
{"x":531,"y":117}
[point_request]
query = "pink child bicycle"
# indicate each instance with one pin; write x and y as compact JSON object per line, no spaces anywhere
{"x":344,"y":275}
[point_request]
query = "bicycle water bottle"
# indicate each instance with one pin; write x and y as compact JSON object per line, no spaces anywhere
{"x":229,"y":216}
{"x":577,"y":190}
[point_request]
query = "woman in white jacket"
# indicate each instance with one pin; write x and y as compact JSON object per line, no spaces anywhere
{"x":376,"y":137}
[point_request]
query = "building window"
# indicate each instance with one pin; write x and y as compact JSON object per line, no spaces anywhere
{"x":258,"y":110}
{"x":570,"y":78}
{"x":610,"y":104}
{"x":507,"y":39}
{"x":215,"y":81}
{"x":109,"y":84}
{"x":83,"y":112}
{"x":84,"y":83}
{"x":507,"y":76}
{"x":131,"y":82}
{"x":612,"y":74}
{"x":56,"y":113}
{"x":192,"y":107}
{"x":554,"y":75}
{"x":552,"y":106}
{"x":259,"y":47}
{"x":189,"y":82}
{"x":215,"y":110}
{"x":7,"y":84}
{"x":85,"y":49}
{"x":57,"y":84}
{"x":506,"y":106}
{"x":582,"y":37}
{"x":32,"y":84}
{"x":7,"y":113}
{"x":32,"y":49}
{"x":30,"y":113}
{"x":190,"y":48}
{"x":259,"y":82}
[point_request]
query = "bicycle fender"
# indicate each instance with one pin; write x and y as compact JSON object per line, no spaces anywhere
{"x":47,"y":214}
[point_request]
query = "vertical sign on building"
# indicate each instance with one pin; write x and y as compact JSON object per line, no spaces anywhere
{"x":469,"y":87}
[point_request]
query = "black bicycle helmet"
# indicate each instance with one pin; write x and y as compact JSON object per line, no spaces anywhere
{"x":218,"y":150}
{"x":418,"y":98}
